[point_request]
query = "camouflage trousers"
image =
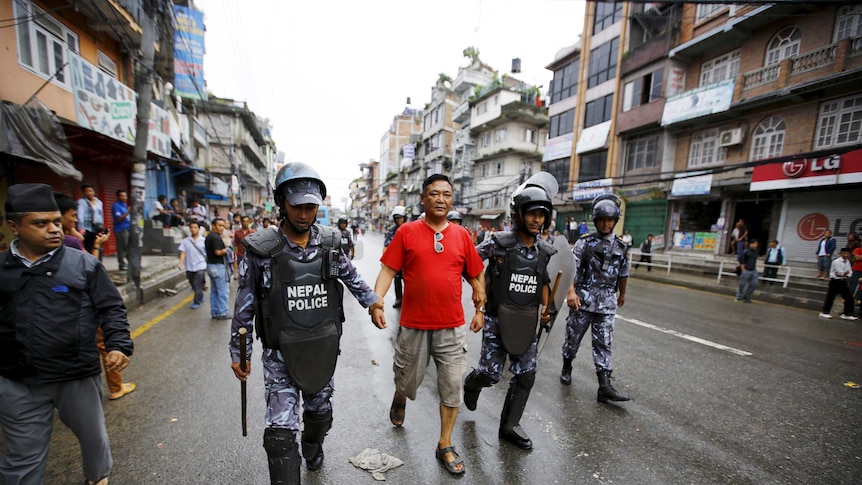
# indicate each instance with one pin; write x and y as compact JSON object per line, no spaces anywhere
{"x":493,"y":355}
{"x":282,"y":394}
{"x":602,"y":326}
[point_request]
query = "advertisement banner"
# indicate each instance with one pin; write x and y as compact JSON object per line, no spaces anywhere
{"x":109,"y":107}
{"x":695,"y":103}
{"x":835,"y":169}
{"x":686,"y":186}
{"x":558,"y":147}
{"x":189,"y":53}
{"x":594,"y":137}
{"x":587,"y":191}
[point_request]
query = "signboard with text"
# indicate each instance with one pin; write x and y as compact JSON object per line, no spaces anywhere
{"x":189,"y":52}
{"x":835,"y":169}
{"x":695,"y":103}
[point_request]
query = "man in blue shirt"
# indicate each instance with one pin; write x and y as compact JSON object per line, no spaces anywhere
{"x":120,"y":211}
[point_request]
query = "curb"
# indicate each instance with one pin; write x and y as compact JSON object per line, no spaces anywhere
{"x":165,"y":276}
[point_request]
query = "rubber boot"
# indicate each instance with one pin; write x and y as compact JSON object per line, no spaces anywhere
{"x":566,"y":374}
{"x":282,"y":455}
{"x":513,"y":409}
{"x":606,"y":390}
{"x":473,"y":385}
{"x":315,"y":428}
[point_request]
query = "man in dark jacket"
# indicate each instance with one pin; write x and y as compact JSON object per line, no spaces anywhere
{"x":49,"y":358}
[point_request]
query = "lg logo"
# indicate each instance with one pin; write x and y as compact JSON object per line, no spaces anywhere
{"x":794,"y":168}
{"x":812,"y":226}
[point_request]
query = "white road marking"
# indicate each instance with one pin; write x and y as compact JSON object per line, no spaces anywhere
{"x":686,"y":336}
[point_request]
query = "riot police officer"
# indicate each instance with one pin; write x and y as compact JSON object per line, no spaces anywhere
{"x":455,"y":216}
{"x":599,"y":288}
{"x":516,"y":283}
{"x":346,"y":237}
{"x":289,"y":287}
{"x":398,"y":217}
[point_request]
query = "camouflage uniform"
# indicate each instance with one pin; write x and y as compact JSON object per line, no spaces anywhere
{"x":599,"y":264}
{"x":282,"y":394}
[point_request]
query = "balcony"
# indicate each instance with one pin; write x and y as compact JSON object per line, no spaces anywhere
{"x":813,"y":65}
{"x":461,"y":113}
{"x":520,"y":111}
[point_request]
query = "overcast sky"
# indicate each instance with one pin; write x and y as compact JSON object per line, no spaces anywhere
{"x":331,"y":75}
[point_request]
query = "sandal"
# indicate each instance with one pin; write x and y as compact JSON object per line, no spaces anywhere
{"x":128,"y":387}
{"x":396,"y":411}
{"x":450,"y":465}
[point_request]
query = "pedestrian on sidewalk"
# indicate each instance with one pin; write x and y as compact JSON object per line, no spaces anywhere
{"x":244,"y":231}
{"x":122,"y":225}
{"x":433,"y":255}
{"x":741,"y":239}
{"x":748,"y":275}
{"x":775,"y":257}
{"x":825,"y":249}
{"x":48,"y":289}
{"x":193,"y":259}
{"x":217,"y":269}
{"x":599,"y":288}
{"x":839,"y":271}
{"x":646,"y":252}
{"x":512,"y":310}
{"x":296,"y":273}
{"x":91,"y":216}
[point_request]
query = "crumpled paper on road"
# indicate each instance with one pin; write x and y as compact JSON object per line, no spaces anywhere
{"x":376,"y":462}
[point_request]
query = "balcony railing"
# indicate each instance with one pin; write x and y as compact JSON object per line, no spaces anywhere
{"x":764,"y":75}
{"x":812,"y":60}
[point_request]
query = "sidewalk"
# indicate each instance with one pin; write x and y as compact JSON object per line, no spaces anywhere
{"x":157,"y":273}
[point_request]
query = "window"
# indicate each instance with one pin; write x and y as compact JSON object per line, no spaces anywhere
{"x":43,"y":43}
{"x":704,"y":149}
{"x":720,"y":68}
{"x":603,"y":62}
{"x":593,"y":166}
{"x":562,"y":124}
{"x":598,"y":111}
{"x":785,"y":44}
{"x":642,"y":152}
{"x":560,"y":170}
{"x":840,"y":122}
{"x":485,"y":139}
{"x":529,"y":136}
{"x":499,"y":135}
{"x":498,"y":168}
{"x":848,"y":22}
{"x":607,"y":14}
{"x":565,"y":82}
{"x":482,"y":108}
{"x":707,"y":10}
{"x":768,"y":139}
{"x":642,"y":90}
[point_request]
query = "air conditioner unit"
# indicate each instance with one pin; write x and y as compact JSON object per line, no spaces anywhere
{"x":730,"y":137}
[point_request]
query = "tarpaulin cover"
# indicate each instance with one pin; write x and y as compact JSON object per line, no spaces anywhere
{"x":34,"y":133}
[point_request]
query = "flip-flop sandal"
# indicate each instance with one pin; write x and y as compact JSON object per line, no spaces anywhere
{"x":397,"y":411}
{"x":128,"y":387}
{"x":450,"y":465}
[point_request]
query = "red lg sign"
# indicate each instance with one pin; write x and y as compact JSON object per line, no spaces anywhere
{"x":812,"y":226}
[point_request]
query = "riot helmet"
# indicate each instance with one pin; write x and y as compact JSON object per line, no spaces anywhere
{"x":454,"y":216}
{"x":606,"y":205}
{"x":531,"y":198}
{"x":298,"y":184}
{"x":341,"y":220}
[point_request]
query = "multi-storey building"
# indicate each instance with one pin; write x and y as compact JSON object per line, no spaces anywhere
{"x":770,"y":121}
{"x":79,"y":64}
{"x":510,"y":128}
{"x":397,"y":145}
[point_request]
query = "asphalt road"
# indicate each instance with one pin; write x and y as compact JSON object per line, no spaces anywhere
{"x":721,"y":392}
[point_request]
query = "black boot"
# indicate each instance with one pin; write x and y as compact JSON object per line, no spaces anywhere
{"x":513,"y":409}
{"x":606,"y":390}
{"x":315,"y":428}
{"x":282,"y":455}
{"x":473,"y":385}
{"x":566,"y":374}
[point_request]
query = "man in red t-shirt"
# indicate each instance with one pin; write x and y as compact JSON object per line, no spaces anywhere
{"x":238,"y":235}
{"x":433,"y":255}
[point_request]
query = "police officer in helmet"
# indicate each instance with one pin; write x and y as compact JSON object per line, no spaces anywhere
{"x":455,"y":216}
{"x":346,"y":237}
{"x":516,"y":283}
{"x":599,"y":288}
{"x":289,"y":287}
{"x":398,"y":217}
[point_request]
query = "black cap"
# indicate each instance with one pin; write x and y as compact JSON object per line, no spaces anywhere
{"x":31,"y":198}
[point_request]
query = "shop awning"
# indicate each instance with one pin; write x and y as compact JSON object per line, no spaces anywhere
{"x":34,"y":133}
{"x":489,"y":216}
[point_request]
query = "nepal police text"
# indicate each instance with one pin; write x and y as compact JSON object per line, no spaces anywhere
{"x":523,"y":283}
{"x":307,"y":297}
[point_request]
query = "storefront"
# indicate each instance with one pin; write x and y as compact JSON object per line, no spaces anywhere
{"x":645,"y":213}
{"x":696,"y":221}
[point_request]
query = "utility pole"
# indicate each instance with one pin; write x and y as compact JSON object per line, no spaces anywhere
{"x":144,"y":88}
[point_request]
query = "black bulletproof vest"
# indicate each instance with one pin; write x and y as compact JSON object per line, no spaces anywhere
{"x":520,"y":279}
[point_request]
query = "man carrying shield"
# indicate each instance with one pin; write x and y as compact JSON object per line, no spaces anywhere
{"x":289,"y":286}
{"x":516,"y":283}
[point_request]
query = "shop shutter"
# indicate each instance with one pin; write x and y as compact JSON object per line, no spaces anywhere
{"x":646,"y":217}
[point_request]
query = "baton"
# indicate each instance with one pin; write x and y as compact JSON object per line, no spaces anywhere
{"x":243,"y":362}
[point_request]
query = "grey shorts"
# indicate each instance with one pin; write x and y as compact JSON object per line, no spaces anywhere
{"x":824,"y":263}
{"x":413,"y":352}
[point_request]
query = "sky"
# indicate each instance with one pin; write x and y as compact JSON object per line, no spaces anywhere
{"x":331,"y":75}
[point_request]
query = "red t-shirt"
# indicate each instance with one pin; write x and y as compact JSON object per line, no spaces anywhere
{"x":432,"y":280}
{"x":238,"y":236}
{"x":857,"y":259}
